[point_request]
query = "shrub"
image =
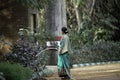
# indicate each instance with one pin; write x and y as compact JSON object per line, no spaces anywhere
{"x":25,"y":51}
{"x":98,"y":52}
{"x":5,"y":47}
{"x":15,"y":71}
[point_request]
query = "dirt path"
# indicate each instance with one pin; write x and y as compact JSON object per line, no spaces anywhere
{"x":99,"y":72}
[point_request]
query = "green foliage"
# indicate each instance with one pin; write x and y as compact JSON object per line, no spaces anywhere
{"x":15,"y":71}
{"x":79,"y":3}
{"x":97,"y":52}
{"x":35,"y":3}
{"x":97,"y":22}
{"x":101,"y":29}
{"x":79,"y":39}
{"x":27,"y":47}
{"x":41,"y":30}
{"x":40,"y":37}
{"x":25,"y":51}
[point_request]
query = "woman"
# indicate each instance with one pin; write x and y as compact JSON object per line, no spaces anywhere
{"x":63,"y":56}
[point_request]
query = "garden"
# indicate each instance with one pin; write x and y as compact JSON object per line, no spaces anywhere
{"x":93,"y":27}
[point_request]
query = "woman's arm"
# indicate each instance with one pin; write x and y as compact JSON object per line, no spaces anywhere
{"x":62,"y":43}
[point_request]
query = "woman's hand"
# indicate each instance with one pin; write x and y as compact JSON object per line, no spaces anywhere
{"x":60,"y":51}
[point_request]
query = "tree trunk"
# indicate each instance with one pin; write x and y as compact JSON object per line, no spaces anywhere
{"x":78,"y":15}
{"x":56,"y":19}
{"x":90,"y":6}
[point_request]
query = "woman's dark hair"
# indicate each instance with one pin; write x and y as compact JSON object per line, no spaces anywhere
{"x":64,"y":30}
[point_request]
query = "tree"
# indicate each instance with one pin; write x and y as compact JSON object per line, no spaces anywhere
{"x":56,"y":19}
{"x":94,"y":20}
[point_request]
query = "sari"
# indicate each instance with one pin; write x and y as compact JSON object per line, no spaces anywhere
{"x":63,"y":63}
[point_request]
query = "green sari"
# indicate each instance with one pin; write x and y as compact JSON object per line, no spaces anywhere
{"x":63,"y":64}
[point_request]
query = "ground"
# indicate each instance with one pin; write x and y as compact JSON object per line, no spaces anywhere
{"x":98,"y":72}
